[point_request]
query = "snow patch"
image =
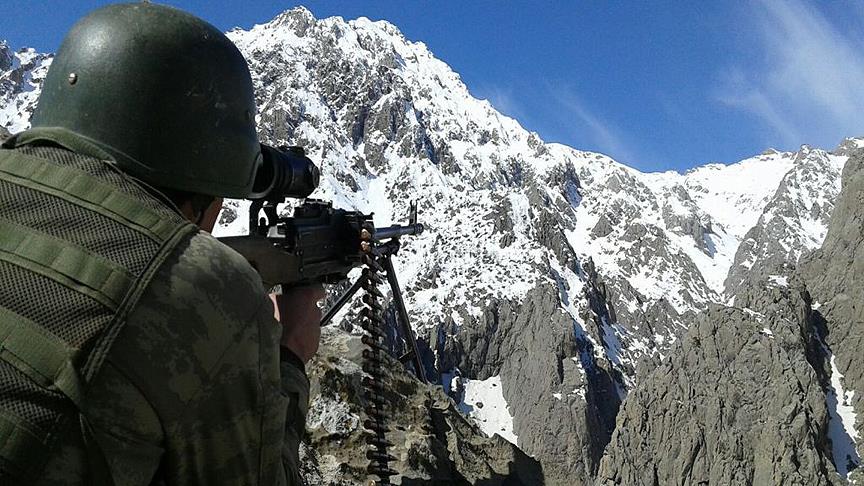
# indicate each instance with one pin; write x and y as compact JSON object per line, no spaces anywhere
{"x":483,"y":401}
{"x":841,"y":426}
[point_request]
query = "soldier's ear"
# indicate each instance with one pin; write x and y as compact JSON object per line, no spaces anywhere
{"x":208,"y":217}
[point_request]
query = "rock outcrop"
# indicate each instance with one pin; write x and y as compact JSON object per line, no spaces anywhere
{"x":434,"y":444}
{"x":793,"y":222}
{"x":765,"y":392}
{"x":835,"y":275}
{"x":562,"y":394}
{"x":740,"y":401}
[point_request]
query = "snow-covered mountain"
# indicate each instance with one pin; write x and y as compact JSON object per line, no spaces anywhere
{"x":547,"y":274}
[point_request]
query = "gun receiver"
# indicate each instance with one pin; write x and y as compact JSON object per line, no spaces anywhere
{"x":318,"y":244}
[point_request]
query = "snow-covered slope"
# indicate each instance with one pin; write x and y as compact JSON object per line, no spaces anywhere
{"x":794,"y":221}
{"x":550,"y":269}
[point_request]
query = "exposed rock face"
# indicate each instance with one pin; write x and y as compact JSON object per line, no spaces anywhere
{"x":753,"y":394}
{"x":738,"y":401}
{"x":835,"y":274}
{"x":434,"y":442}
{"x":538,"y":359}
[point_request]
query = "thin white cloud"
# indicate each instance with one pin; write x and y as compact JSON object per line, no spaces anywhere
{"x":503,"y":100}
{"x":739,"y":92}
{"x":671,"y":107}
{"x":604,"y":135}
{"x":807,"y":83}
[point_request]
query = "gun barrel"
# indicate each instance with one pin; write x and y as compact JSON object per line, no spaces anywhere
{"x":396,"y":231}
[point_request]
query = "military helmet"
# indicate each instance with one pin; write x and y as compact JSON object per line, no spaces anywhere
{"x":165,"y":93}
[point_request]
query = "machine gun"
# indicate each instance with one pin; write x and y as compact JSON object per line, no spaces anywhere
{"x":322,"y":244}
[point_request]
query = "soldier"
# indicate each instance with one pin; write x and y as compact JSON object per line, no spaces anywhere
{"x":134,"y":347}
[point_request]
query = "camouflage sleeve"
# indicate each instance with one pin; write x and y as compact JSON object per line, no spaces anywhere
{"x":201,"y":351}
{"x":295,"y":386}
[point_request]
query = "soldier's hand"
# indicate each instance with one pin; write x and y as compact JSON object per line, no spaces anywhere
{"x":297,"y":309}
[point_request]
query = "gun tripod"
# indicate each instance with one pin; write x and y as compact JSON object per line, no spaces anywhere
{"x":377,"y":260}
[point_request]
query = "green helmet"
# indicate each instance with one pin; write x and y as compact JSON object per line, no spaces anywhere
{"x":164,"y":92}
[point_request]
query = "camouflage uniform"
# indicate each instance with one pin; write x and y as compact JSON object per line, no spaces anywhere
{"x":195,"y":389}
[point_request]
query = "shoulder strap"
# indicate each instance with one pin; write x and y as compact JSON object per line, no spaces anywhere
{"x":100,"y":351}
{"x":81,"y":188}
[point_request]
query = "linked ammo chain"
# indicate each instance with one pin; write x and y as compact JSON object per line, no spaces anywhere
{"x":377,"y":247}
{"x":373,"y":323}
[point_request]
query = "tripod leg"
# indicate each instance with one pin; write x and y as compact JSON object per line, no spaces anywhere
{"x":343,"y":299}
{"x":403,"y":318}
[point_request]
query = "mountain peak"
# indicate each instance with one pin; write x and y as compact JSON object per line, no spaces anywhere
{"x":848,"y":145}
{"x":298,"y":12}
{"x":297,"y":19}
{"x":366,"y":23}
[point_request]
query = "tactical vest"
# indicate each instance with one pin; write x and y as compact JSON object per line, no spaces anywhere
{"x":79,"y":243}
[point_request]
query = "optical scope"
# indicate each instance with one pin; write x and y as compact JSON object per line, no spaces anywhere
{"x":284,"y":172}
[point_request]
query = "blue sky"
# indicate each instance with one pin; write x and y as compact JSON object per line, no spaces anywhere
{"x":658,"y":85}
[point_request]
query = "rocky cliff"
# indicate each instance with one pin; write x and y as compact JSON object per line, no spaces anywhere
{"x":740,"y":400}
{"x":435,"y":444}
{"x":835,"y":275}
{"x":764,"y":392}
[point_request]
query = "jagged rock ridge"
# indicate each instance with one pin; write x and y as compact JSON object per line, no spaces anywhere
{"x":740,"y":400}
{"x":762,"y":393}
